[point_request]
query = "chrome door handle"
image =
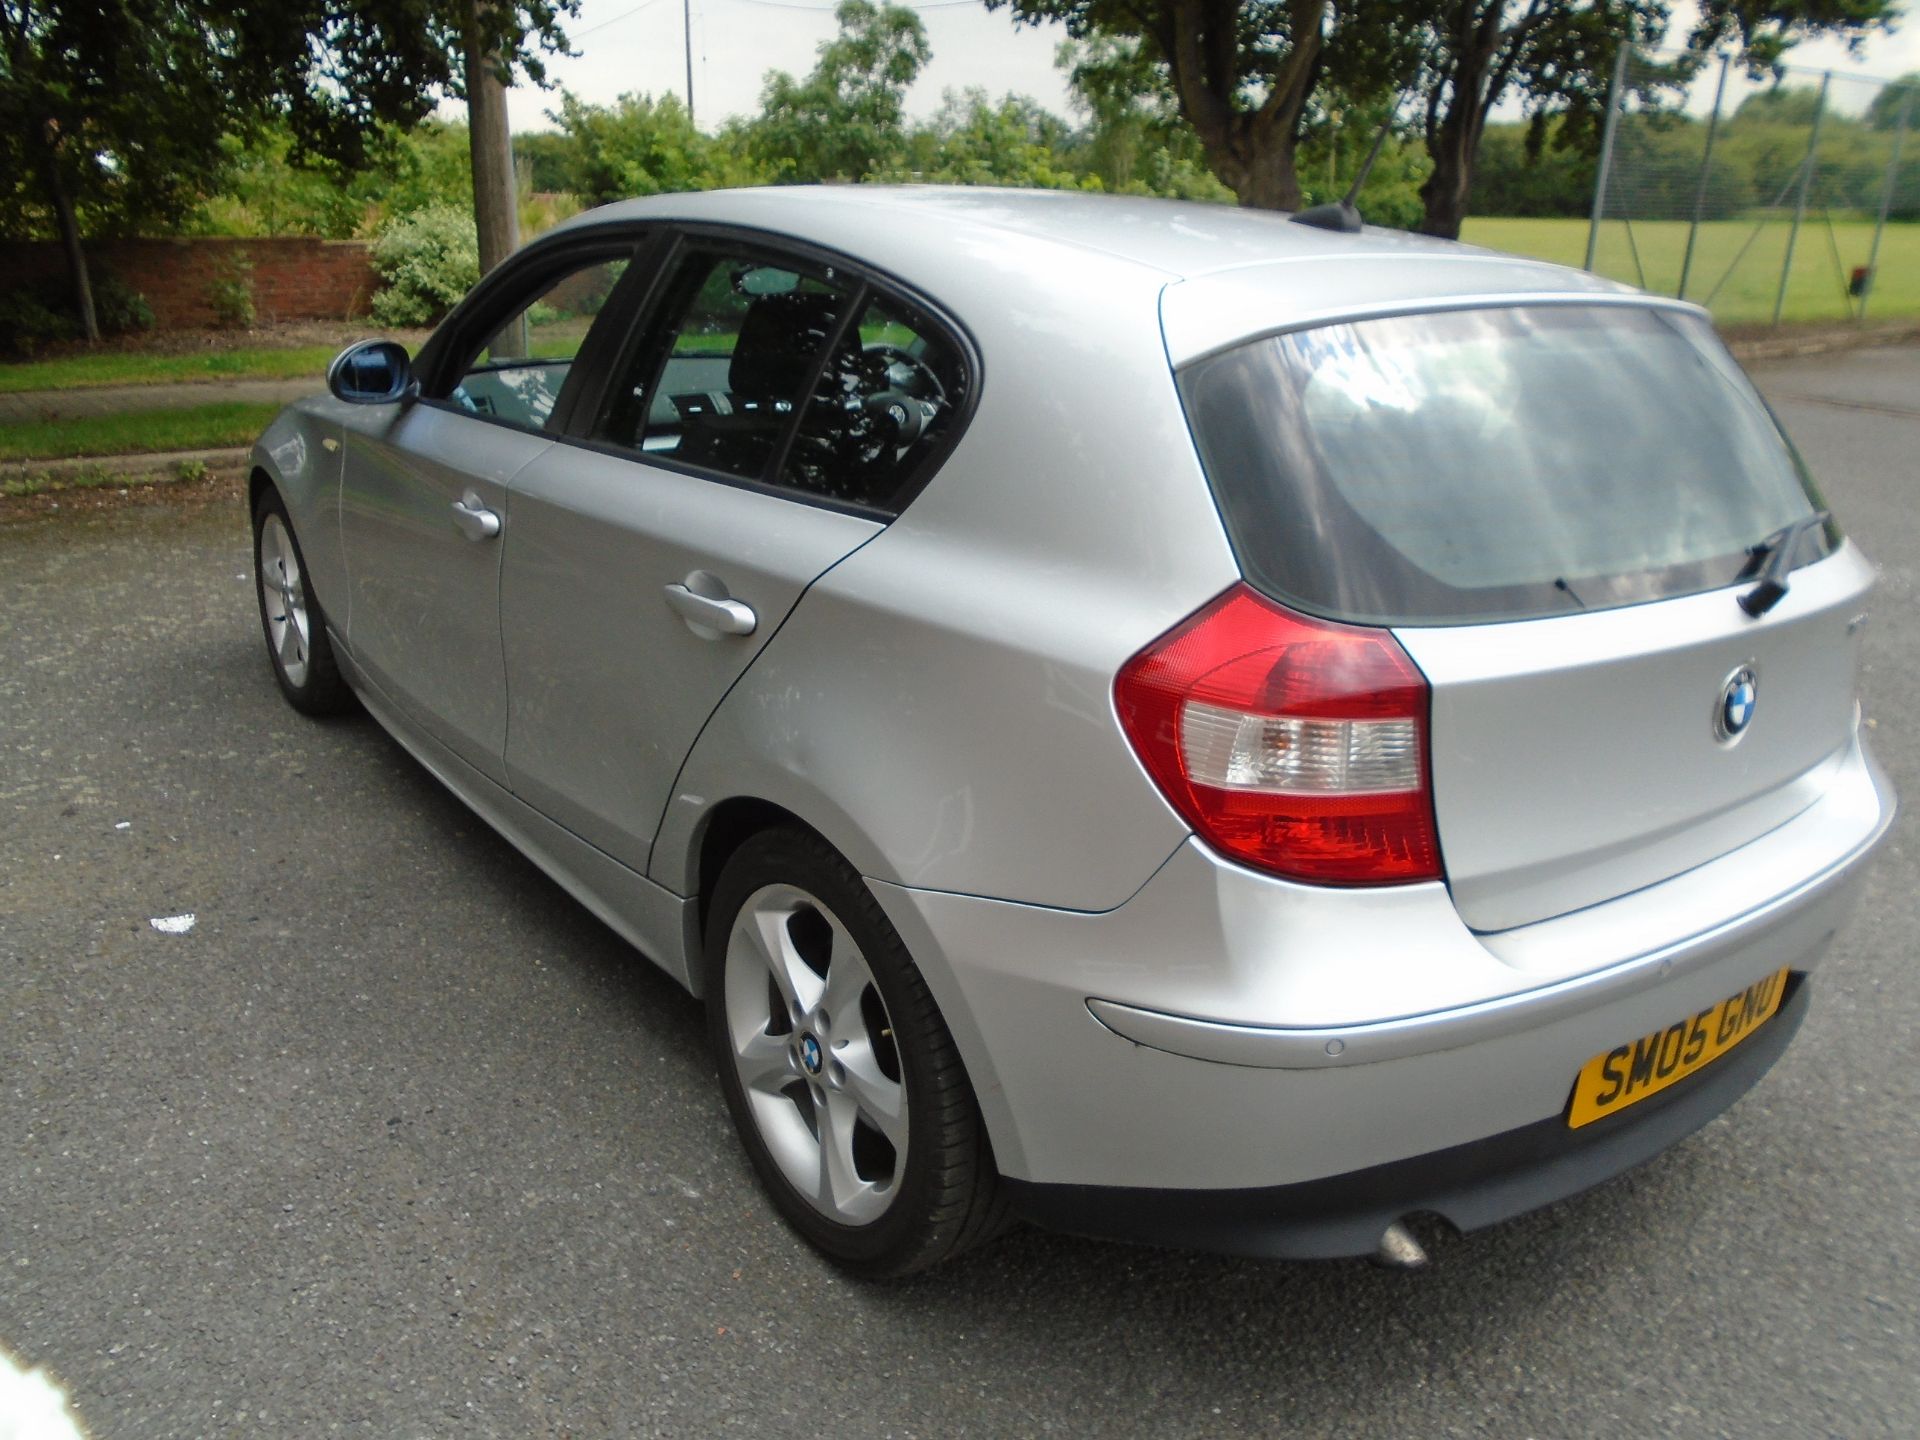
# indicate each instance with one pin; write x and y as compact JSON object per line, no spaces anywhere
{"x":474,"y":520}
{"x":722,"y":617}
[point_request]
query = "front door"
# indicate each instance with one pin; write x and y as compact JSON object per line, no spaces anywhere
{"x":424,"y":510}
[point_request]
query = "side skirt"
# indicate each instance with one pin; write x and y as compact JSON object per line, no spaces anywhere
{"x":662,"y":926}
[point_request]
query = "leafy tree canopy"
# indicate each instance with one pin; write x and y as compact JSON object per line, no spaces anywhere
{"x":1904,"y":93}
{"x":121,"y":110}
{"x":845,"y":120}
{"x":1241,"y":75}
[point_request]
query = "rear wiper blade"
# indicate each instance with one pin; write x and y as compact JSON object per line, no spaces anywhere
{"x":1775,"y":555}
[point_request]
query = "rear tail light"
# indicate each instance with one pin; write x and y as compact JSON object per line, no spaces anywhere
{"x":1290,"y":744}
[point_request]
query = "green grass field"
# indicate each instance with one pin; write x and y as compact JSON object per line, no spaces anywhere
{"x":204,"y":427}
{"x":1746,"y":290}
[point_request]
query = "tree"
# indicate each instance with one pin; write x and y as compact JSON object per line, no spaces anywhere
{"x":107,"y":107}
{"x":1135,"y":140}
{"x":120,"y":108}
{"x":971,"y":140}
{"x":1558,"y":55}
{"x":1242,"y":74}
{"x":1884,"y":112}
{"x":846,"y":119}
{"x":636,"y":146}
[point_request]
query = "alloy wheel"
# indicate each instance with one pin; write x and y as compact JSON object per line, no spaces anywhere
{"x":816,"y":1055}
{"x":283,"y":600}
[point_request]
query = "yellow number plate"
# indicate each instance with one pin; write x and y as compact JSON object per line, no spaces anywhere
{"x":1628,"y":1074}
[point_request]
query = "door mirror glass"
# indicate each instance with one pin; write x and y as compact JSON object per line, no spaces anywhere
{"x":373,"y":372}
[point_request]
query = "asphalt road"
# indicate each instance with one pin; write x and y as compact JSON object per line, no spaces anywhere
{"x":398,"y":1141}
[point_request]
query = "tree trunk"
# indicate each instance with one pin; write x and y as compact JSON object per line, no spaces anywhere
{"x":495,"y":213}
{"x":1258,"y":167}
{"x":1446,"y":190}
{"x":70,"y":242}
{"x":1252,"y":152}
{"x":1272,"y":182}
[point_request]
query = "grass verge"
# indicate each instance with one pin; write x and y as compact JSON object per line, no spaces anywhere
{"x":204,"y":427}
{"x":77,"y":372}
{"x":100,"y":475}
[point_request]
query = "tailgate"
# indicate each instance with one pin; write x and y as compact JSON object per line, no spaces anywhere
{"x":1577,"y":758}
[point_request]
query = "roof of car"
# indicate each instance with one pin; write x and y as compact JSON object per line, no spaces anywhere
{"x":1184,"y":238}
{"x":1224,"y":271}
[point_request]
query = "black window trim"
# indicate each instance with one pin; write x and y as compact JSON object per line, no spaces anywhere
{"x":510,"y":287}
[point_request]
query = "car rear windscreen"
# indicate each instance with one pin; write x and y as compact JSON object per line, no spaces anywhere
{"x":1485,"y":464}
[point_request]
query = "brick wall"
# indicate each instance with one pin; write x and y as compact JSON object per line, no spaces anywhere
{"x":293,"y":279}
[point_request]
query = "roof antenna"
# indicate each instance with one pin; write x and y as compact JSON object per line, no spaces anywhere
{"x":1343,"y":215}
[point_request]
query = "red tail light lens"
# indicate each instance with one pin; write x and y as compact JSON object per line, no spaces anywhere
{"x":1290,"y":744}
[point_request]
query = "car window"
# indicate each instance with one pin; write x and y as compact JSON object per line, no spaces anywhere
{"x":1494,"y":464}
{"x":520,"y":368}
{"x":718,"y":378}
{"x":881,"y":407}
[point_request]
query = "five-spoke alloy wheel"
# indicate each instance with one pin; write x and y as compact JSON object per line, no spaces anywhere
{"x":843,"y":1080}
{"x":814,"y":1050}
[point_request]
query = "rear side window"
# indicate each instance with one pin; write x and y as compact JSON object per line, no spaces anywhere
{"x":1491,"y":464}
{"x":881,"y":409}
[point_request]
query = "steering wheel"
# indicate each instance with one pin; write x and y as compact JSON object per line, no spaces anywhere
{"x":895,"y":355}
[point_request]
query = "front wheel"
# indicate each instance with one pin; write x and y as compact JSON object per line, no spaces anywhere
{"x":290,"y":616}
{"x":843,"y":1080}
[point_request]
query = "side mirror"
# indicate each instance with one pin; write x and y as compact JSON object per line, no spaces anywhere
{"x":373,"y":372}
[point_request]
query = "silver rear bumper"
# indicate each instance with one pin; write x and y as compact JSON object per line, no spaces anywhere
{"x":1783,"y":929}
{"x":1225,"y":1030}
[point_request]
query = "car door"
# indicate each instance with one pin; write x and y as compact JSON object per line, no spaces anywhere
{"x":743,"y":447}
{"x":424,"y":487}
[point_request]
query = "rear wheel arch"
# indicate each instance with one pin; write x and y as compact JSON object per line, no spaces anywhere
{"x":723,"y":830}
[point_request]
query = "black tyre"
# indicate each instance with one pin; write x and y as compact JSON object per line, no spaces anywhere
{"x":842,"y":1078}
{"x":290,"y":615}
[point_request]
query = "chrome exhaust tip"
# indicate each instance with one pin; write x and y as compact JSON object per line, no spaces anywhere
{"x":1398,"y":1250}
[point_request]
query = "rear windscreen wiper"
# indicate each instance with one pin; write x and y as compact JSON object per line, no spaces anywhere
{"x":1775,"y":555}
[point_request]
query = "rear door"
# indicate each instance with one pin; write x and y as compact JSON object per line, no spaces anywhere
{"x":424,"y":498}
{"x":744,"y":445}
{"x":1553,"y":508}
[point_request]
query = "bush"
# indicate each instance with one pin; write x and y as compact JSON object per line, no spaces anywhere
{"x":27,"y":323}
{"x":230,"y":293}
{"x":118,"y":307}
{"x":35,"y":316}
{"x":428,"y":259}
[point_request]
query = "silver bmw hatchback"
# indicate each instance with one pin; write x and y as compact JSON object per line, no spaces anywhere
{"x":1159,"y":720}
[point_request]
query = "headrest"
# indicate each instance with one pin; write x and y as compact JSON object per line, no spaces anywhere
{"x":780,"y":338}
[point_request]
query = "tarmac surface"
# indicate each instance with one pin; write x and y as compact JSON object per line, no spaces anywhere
{"x":396,"y":1140}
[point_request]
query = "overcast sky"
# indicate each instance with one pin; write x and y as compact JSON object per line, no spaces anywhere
{"x":640,"y":45}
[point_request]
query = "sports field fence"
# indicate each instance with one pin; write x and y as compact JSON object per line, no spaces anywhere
{"x":1788,"y":196}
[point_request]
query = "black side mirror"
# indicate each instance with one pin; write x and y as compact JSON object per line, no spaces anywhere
{"x":373,"y":372}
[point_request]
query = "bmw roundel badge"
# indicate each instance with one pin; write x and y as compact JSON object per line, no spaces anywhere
{"x":1733,"y":713}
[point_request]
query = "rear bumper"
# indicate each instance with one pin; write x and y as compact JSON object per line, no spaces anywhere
{"x":1470,"y":1186}
{"x":1256,"y":1036}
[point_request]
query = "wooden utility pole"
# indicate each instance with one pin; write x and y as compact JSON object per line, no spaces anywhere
{"x":495,"y":210}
